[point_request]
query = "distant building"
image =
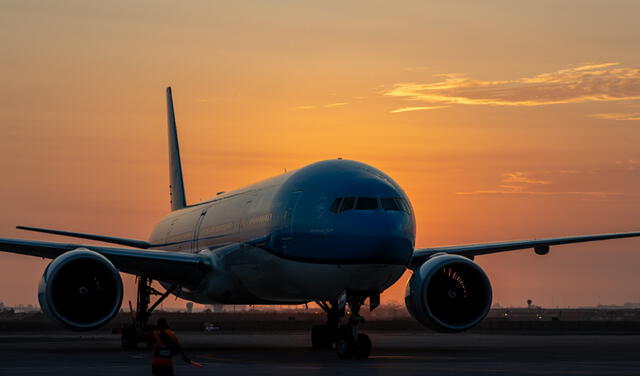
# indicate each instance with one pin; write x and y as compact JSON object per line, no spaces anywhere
{"x":26,"y":308}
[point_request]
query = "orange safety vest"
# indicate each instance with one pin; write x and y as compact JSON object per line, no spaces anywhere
{"x":162,"y":351}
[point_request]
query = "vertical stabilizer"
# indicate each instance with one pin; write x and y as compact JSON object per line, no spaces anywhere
{"x":176,"y":185}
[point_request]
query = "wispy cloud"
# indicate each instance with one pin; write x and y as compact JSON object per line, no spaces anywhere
{"x":330,"y":105}
{"x":521,"y":183}
{"x":629,"y":165}
{"x":521,"y":177}
{"x":422,"y":108}
{"x":623,"y":116}
{"x":539,"y":193}
{"x":338,"y":104}
{"x":584,"y":83}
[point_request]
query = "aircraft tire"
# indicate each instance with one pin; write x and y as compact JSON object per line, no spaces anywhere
{"x":345,"y":347}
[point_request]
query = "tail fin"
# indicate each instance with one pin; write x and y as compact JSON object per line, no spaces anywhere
{"x":176,"y":185}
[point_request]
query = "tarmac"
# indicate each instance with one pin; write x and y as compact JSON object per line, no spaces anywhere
{"x":281,"y":353}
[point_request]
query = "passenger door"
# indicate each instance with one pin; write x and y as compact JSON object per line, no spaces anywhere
{"x":289,"y":213}
{"x":196,"y":230}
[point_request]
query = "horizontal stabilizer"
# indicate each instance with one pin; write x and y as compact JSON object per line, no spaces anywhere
{"x":107,"y":239}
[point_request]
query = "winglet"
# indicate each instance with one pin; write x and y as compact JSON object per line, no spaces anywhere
{"x":176,"y":184}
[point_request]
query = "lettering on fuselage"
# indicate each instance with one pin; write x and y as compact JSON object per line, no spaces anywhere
{"x":321,"y":231}
{"x":223,"y":228}
{"x":260,"y":219}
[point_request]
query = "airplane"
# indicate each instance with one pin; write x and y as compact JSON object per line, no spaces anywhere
{"x":336,"y":232}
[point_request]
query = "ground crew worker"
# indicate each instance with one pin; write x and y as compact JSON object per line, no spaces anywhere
{"x":165,"y":345}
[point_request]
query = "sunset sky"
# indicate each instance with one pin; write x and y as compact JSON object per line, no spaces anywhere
{"x":501,"y":119}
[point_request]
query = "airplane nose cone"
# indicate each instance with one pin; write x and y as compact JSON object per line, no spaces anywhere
{"x":380,"y":237}
{"x":355,"y":238}
{"x":343,"y":212}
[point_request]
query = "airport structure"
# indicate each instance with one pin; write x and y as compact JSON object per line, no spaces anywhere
{"x":336,"y":232}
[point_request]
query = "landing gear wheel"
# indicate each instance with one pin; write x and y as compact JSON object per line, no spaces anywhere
{"x":349,"y":343}
{"x":129,"y":338}
{"x":363,"y":346}
{"x":345,"y":347}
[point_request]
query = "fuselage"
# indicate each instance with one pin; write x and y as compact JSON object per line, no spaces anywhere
{"x":309,"y":234}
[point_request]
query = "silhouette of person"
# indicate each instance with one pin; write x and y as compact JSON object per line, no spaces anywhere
{"x":165,"y":346}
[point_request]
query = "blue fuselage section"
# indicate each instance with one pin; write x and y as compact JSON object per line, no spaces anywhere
{"x":309,"y":230}
{"x":334,"y":212}
{"x":291,"y":216}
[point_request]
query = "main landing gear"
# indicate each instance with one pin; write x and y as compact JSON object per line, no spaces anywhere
{"x":348,"y":342}
{"x":140,"y":319}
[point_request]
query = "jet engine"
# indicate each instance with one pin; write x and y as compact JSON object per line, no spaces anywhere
{"x":448,"y":293}
{"x":80,"y":289}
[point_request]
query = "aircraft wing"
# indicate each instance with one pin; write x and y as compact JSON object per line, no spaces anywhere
{"x":107,"y":239}
{"x":540,"y":246}
{"x":184,"y":269}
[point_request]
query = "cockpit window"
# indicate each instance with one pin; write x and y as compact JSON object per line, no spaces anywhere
{"x":347,"y":204}
{"x":367,"y":203}
{"x":342,"y":204}
{"x":335,"y":206}
{"x":390,"y":204}
{"x":405,"y":205}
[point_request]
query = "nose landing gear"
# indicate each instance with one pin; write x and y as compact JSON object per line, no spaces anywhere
{"x":348,"y":342}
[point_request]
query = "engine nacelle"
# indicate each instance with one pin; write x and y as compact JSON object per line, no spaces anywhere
{"x":80,"y":289}
{"x":448,"y":293}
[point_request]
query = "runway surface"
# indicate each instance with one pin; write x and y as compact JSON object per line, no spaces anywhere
{"x":397,"y":353}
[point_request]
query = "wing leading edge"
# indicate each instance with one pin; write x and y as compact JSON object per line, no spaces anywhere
{"x":540,"y":246}
{"x":107,"y":239}
{"x":184,"y":269}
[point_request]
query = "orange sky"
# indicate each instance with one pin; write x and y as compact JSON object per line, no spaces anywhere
{"x":501,"y":120}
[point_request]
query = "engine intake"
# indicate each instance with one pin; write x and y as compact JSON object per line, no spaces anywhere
{"x":448,"y":293}
{"x":81,"y":289}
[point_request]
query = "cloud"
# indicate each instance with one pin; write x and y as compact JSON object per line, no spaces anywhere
{"x":335,"y":104}
{"x":622,"y":116}
{"x":520,"y":177}
{"x":538,"y":193}
{"x":422,"y":108}
{"x":629,"y":165}
{"x":330,"y":105}
{"x":584,"y":83}
{"x":519,"y":183}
